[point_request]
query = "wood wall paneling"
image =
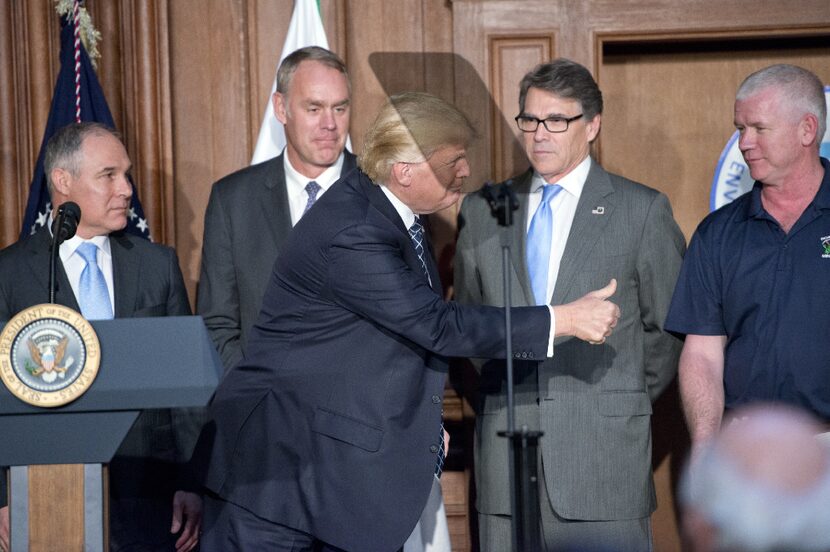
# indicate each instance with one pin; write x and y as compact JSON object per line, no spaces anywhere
{"x":510,"y":58}
{"x":211,"y":112}
{"x":674,"y":95}
{"x":52,"y":525}
{"x":109,"y":19}
{"x":266,"y":26}
{"x":30,"y":60}
{"x":134,"y":73}
{"x":10,"y":150}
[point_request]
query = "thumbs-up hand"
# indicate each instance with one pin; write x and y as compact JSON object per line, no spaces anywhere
{"x":590,"y":318}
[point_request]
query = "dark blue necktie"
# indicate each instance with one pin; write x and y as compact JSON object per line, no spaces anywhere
{"x":312,"y":189}
{"x":416,"y":234}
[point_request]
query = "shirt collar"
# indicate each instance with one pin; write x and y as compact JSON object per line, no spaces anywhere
{"x":325,"y":179}
{"x":75,"y":241}
{"x":68,"y":247}
{"x":822,"y":199}
{"x":573,"y":182}
{"x":407,"y":215}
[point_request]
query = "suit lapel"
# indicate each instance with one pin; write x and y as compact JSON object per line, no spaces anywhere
{"x":126,"y":265}
{"x":379,"y":200}
{"x":38,"y":260}
{"x":275,"y":200}
{"x":593,"y":212}
{"x":432,"y":264}
{"x":519,"y":235}
{"x":275,"y":197}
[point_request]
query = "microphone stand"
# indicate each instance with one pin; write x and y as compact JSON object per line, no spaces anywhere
{"x":524,"y":444}
{"x":63,"y":228}
{"x":53,"y":258}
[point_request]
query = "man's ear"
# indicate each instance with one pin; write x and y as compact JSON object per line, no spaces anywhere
{"x":593,"y":127}
{"x":402,"y":173}
{"x":61,"y":181}
{"x":279,"y":101}
{"x":808,"y":130}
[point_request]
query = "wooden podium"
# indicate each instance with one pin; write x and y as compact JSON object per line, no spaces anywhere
{"x":58,"y":485}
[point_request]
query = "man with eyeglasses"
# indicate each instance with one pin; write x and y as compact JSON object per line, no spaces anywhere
{"x":577,"y":227}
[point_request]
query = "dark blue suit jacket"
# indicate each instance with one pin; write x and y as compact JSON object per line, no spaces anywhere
{"x":331,"y":423}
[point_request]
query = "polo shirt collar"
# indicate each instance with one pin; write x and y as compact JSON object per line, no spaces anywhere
{"x":822,"y":199}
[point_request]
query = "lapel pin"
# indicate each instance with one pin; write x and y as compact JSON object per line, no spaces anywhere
{"x":599,"y":211}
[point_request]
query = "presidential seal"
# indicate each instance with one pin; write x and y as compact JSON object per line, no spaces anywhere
{"x":49,"y":355}
{"x":732,"y":177}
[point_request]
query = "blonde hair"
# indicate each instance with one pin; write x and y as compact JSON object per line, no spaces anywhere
{"x":410,"y":128}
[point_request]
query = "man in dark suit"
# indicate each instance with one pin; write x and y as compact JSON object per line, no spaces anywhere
{"x":251,"y":212}
{"x":593,"y":403}
{"x":326,"y":436}
{"x":87,"y":163}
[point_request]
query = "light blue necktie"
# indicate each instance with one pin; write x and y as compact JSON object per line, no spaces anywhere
{"x":539,"y":238}
{"x":94,"y":296}
{"x":416,"y":234}
{"x":312,"y":189}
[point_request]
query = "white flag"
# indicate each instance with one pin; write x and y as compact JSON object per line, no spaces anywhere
{"x":305,"y":29}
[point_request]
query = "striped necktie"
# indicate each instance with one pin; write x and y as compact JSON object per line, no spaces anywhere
{"x":416,"y":234}
{"x":312,"y":189}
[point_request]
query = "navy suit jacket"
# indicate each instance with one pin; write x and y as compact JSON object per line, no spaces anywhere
{"x":331,"y":423}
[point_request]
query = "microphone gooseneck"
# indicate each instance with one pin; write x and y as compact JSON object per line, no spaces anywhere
{"x":63,"y":228}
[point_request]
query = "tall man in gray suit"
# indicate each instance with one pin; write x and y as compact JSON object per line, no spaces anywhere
{"x":577,"y":227}
{"x":87,"y":163}
{"x":251,"y":212}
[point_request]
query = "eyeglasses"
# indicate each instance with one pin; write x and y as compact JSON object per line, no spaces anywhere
{"x":527,"y":123}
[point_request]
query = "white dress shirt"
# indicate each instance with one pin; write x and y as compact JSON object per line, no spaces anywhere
{"x":296,"y":183}
{"x":74,"y":264}
{"x":563,"y":207}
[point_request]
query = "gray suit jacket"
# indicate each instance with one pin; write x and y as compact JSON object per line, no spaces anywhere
{"x":593,"y":403}
{"x":246,"y":223}
{"x":148,"y":282}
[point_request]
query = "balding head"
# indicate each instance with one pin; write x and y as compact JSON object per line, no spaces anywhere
{"x":776,"y":446}
{"x":763,"y":484}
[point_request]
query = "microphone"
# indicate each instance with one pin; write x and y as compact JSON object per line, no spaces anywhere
{"x":65,"y":225}
{"x":63,"y":228}
{"x":502,"y":201}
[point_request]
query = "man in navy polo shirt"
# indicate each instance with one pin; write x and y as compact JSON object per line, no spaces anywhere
{"x":752,"y":294}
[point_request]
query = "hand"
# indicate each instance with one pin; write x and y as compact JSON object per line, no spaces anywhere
{"x":446,"y":442}
{"x":590,"y":318}
{"x":4,"y":529}
{"x":187,"y":506}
